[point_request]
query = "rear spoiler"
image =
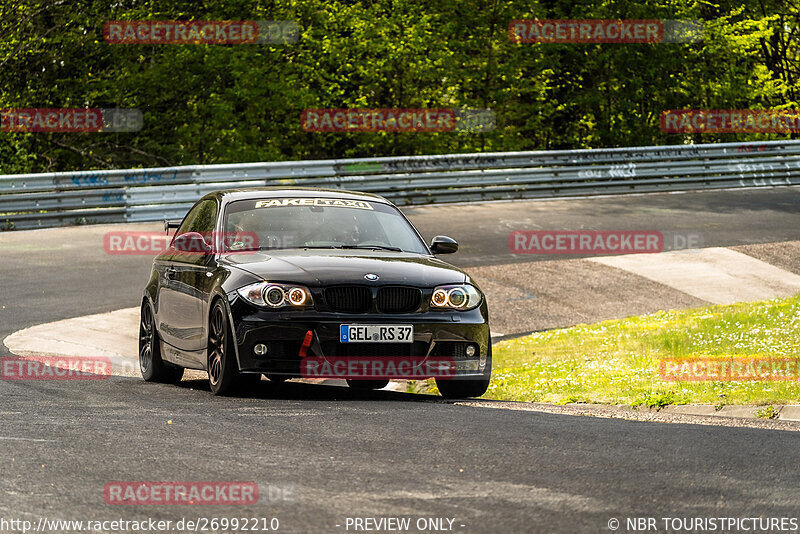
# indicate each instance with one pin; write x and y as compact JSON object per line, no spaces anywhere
{"x":169,"y":225}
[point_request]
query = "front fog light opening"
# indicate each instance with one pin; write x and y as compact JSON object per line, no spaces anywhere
{"x":260,"y":350}
{"x":274,"y":296}
{"x":470,"y":351}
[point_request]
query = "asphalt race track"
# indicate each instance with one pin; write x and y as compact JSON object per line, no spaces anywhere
{"x":384,"y":454}
{"x":47,"y":275}
{"x":332,"y":454}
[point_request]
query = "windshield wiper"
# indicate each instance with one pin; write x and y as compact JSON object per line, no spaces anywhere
{"x":373,"y":247}
{"x":323,"y":247}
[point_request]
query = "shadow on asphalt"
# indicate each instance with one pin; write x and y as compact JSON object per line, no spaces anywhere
{"x":303,"y":391}
{"x":314,"y":392}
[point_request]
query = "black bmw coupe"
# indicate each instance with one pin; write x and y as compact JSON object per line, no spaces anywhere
{"x":312,"y":283}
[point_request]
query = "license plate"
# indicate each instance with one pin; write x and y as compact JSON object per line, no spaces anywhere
{"x":376,"y":333}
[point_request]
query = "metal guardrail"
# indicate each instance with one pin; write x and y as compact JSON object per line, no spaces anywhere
{"x":128,"y":195}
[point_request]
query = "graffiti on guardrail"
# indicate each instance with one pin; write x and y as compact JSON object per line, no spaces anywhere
{"x":434,"y":163}
{"x":99,"y":178}
{"x":763,"y":174}
{"x":140,"y":178}
{"x":623,"y":170}
{"x":422,"y":163}
{"x":89,"y":179}
{"x":751,"y":148}
{"x":658,"y":153}
{"x":764,"y":182}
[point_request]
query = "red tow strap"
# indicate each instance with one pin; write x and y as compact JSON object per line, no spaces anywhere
{"x":306,"y":344}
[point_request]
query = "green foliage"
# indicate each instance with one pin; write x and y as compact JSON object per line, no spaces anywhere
{"x":656,"y":399}
{"x":768,"y":412}
{"x":207,"y":104}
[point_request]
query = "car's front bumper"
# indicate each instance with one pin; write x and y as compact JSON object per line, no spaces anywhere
{"x":442,"y":334}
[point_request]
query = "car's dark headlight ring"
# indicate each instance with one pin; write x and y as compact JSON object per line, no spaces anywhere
{"x":272,"y":295}
{"x":439,"y":298}
{"x":297,"y":296}
{"x":455,"y":297}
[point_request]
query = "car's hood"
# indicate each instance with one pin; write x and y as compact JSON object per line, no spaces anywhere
{"x":326,"y":267}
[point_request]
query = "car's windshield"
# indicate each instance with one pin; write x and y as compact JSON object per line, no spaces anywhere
{"x":284,"y":223}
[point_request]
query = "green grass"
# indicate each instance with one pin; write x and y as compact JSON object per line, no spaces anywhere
{"x":616,"y":362}
{"x":767,"y":413}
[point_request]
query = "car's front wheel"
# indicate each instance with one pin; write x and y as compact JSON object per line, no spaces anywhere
{"x":153,"y":368}
{"x":458,"y":388}
{"x":223,"y":373}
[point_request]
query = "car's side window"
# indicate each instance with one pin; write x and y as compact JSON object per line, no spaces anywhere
{"x":189,"y":219}
{"x":206,"y":218}
{"x":202,"y":218}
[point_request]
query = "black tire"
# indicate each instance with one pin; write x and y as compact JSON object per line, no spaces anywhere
{"x":224,"y":377}
{"x":153,"y":368}
{"x":367,"y":384}
{"x":459,"y":388}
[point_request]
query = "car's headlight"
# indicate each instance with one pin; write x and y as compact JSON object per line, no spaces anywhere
{"x":455,"y":297}
{"x":271,"y":295}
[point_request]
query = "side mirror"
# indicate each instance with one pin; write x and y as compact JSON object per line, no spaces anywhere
{"x":191,"y":242}
{"x":171,"y":225}
{"x":441,"y":244}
